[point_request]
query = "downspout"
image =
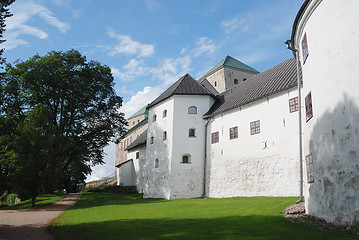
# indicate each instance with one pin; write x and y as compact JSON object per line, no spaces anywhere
{"x":296,"y":55}
{"x":205,"y":158}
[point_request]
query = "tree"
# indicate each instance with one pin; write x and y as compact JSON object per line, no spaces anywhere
{"x":4,"y":13}
{"x":57,"y":113}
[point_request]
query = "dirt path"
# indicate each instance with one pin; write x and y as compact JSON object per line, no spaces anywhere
{"x":32,"y":224}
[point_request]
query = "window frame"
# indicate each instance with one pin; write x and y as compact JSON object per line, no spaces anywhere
{"x":305,"y":51}
{"x":293,"y":105}
{"x":215,"y":137}
{"x":308,"y":106}
{"x":233,"y":133}
{"x":194,"y":132}
{"x":191,"y":108}
{"x":255,"y":127}
{"x":188,"y":156}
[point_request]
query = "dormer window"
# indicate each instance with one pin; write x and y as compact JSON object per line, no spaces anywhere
{"x":235,"y":81}
{"x":154,"y":118}
{"x":192,"y":110}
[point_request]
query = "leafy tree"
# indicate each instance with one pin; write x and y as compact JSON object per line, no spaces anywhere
{"x":4,"y":13}
{"x":57,"y":113}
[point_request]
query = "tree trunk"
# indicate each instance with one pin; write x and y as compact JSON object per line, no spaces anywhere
{"x":33,"y":199}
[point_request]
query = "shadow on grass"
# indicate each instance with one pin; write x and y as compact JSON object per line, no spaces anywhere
{"x":41,"y":202}
{"x":89,"y":200}
{"x":238,"y":227}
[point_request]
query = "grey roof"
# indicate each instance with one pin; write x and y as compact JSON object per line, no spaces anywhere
{"x":138,"y":141}
{"x":186,"y":85}
{"x":276,"y":79}
{"x":205,"y":83}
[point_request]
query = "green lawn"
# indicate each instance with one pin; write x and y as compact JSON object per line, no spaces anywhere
{"x":128,"y":216}
{"x":41,"y":201}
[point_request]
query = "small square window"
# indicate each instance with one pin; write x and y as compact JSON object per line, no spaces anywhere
{"x":185,"y":159}
{"x":191,"y":132}
{"x":305,"y":51}
{"x":293,"y":104}
{"x":233,"y":133}
{"x":137,"y":155}
{"x":255,"y":127}
{"x":215,"y":137}
{"x":308,"y":106}
{"x":310,"y":169}
{"x":192,"y":110}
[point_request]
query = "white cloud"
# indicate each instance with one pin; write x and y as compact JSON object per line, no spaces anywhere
{"x":204,"y":46}
{"x":106,"y":169}
{"x":147,"y":95}
{"x":18,"y":25}
{"x":134,"y":68}
{"x":152,"y":4}
{"x":128,"y":46}
{"x":243,"y":23}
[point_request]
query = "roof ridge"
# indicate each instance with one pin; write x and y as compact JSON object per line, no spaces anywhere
{"x":179,"y":82}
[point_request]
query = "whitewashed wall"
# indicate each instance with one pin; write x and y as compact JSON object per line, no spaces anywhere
{"x":187,"y":178}
{"x":331,"y":74}
{"x":138,"y":165}
{"x":126,"y":174}
{"x":264,"y":164}
{"x":156,"y":181}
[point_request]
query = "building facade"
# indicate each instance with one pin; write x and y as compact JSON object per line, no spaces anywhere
{"x":326,"y":36}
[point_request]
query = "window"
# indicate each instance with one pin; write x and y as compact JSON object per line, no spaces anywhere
{"x":310,"y":169}
{"x":124,"y":144}
{"x":128,"y":143}
{"x":233,"y":133}
{"x":255,"y":127}
{"x":192,"y":110}
{"x":157,"y":163}
{"x":305,"y":48}
{"x":154,"y":118}
{"x":215,"y":137}
{"x":293,"y":104}
{"x":164,"y":114}
{"x":164,"y":135}
{"x":137,"y":155}
{"x":235,"y":81}
{"x":192,"y":132}
{"x":308,"y":106}
{"x":130,"y":139}
{"x":186,"y":159}
{"x":151,"y":140}
{"x":133,"y":123}
{"x":244,"y":79}
{"x":215,"y":84}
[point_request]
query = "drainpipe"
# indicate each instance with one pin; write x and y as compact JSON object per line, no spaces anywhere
{"x":296,"y":55}
{"x":205,"y":158}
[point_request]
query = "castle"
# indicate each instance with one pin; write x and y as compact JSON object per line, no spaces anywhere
{"x":238,"y":132}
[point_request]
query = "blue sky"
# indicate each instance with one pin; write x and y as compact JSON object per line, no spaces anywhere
{"x":149,"y":44}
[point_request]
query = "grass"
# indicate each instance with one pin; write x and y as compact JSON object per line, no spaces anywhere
{"x":41,"y":201}
{"x":128,"y":216}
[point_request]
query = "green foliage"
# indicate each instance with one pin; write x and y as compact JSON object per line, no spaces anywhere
{"x":4,"y":13}
{"x":41,"y":201}
{"x":128,"y":216}
{"x":57,"y":113}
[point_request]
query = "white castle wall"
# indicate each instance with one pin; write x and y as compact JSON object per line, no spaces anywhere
{"x":264,"y":164}
{"x":331,"y":74}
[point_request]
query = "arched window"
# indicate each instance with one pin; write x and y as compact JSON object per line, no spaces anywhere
{"x":192,"y":132}
{"x":154,"y":118}
{"x":157,"y":163}
{"x":186,"y":158}
{"x":192,"y":110}
{"x":235,"y":81}
{"x":164,"y":135}
{"x":164,"y":114}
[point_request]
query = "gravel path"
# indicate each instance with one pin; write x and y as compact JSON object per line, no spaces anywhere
{"x":32,"y":224}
